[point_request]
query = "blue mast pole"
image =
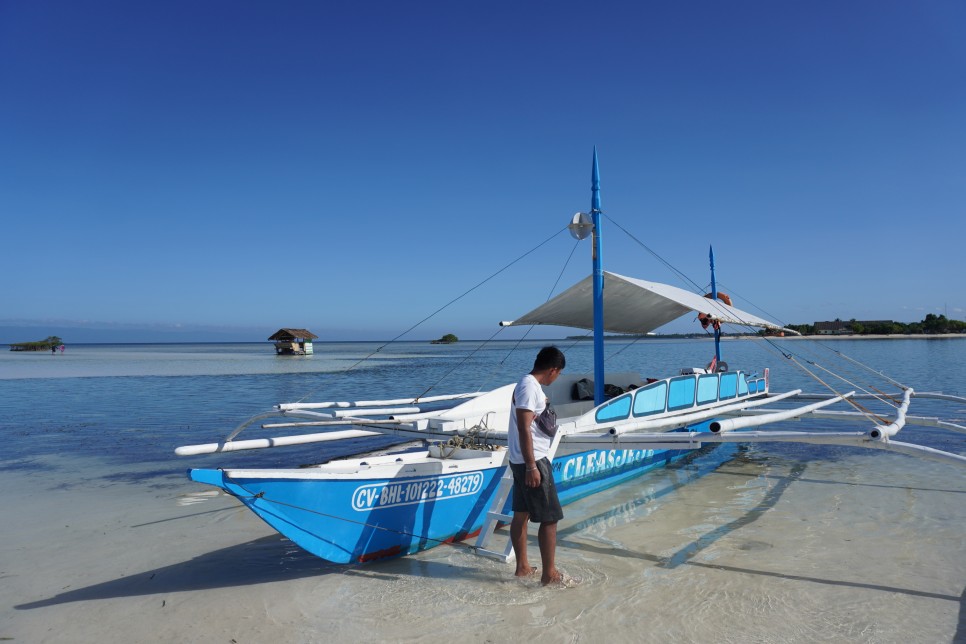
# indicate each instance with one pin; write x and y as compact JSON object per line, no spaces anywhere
{"x":714,"y":298}
{"x":598,"y":286}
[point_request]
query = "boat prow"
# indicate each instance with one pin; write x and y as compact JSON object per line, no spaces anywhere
{"x":361,"y":509}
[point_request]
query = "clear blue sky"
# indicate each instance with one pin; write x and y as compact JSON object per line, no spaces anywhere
{"x":351,"y":167}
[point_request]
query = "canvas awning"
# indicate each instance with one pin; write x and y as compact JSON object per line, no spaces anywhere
{"x":632,"y":306}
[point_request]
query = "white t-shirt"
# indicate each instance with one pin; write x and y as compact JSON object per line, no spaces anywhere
{"x":527,"y":395}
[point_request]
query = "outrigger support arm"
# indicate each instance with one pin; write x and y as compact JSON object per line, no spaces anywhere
{"x":887,"y":431}
{"x":732,"y":424}
{"x":694,"y":440}
{"x":375,"y":403}
{"x":921,"y":421}
{"x":278,"y":441}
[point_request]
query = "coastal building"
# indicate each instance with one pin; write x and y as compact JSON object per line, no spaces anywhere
{"x":838,"y":327}
{"x":293,"y":342}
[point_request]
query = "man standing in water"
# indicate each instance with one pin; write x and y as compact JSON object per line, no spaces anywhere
{"x":534,"y":492}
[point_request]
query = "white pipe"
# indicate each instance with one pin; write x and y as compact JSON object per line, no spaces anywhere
{"x":682,"y":439}
{"x":379,"y":411}
{"x":324,"y":420}
{"x":919,"y":450}
{"x":372,"y":403}
{"x":688,"y":440}
{"x":941,"y":396}
{"x":731,"y":424}
{"x":926,"y":395}
{"x":893,"y":428}
{"x":699,"y":415}
{"x":920,"y":421}
{"x":278,"y":441}
{"x":311,"y":423}
{"x":330,"y":423}
{"x":940,"y":423}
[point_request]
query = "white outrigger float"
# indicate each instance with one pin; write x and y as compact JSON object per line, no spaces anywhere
{"x":365,"y":508}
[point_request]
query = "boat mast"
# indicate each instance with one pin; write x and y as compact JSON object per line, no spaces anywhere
{"x":714,"y":298}
{"x":598,"y":286}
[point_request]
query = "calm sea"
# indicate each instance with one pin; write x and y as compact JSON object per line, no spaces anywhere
{"x":741,"y":523}
{"x":133,"y":404}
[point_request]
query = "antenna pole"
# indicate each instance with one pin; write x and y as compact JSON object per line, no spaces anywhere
{"x":598,"y":286}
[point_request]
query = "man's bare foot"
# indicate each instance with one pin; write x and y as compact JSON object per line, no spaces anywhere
{"x":527,"y":571}
{"x":557,"y":578}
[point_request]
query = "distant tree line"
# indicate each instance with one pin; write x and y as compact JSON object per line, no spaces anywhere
{"x":931,"y":325}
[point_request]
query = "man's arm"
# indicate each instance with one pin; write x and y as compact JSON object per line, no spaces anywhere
{"x":524,"y":418}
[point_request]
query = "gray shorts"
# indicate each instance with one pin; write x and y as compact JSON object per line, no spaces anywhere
{"x":541,"y":502}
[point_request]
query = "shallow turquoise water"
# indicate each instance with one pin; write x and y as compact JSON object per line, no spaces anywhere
{"x":768,"y":543}
{"x":133,"y":404}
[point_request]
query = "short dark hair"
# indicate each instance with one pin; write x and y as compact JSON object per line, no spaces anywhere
{"x":549,"y":358}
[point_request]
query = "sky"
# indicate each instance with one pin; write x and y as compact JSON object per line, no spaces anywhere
{"x":221,"y":169}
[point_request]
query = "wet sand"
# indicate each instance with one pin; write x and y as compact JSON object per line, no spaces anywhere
{"x":863,"y":548}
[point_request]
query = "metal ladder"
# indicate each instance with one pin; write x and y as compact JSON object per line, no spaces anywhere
{"x":495,"y":514}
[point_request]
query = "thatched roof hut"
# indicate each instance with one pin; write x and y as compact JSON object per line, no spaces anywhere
{"x":293,"y":341}
{"x":287,"y":335}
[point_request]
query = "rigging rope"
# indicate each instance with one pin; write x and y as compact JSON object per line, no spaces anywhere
{"x":713,"y":304}
{"x":488,"y":340}
{"x":863,"y":410}
{"x":852,"y":384}
{"x":440,"y":309}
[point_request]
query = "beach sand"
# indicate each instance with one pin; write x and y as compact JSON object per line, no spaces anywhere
{"x":744,"y":549}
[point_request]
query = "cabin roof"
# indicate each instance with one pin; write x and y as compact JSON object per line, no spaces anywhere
{"x":287,"y":334}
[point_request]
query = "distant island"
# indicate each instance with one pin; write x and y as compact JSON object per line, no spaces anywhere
{"x":51,"y":343}
{"x":449,"y":338}
{"x":931,"y":325}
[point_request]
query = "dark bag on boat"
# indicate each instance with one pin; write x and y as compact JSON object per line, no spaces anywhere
{"x":583,"y":389}
{"x":547,"y":422}
{"x":612,"y":391}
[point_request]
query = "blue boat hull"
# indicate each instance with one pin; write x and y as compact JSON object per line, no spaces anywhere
{"x":353,"y":520}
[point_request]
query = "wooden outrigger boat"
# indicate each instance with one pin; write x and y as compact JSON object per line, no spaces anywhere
{"x":369,"y":507}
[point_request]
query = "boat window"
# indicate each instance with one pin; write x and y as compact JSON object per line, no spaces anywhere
{"x":742,"y":386}
{"x":680,"y":394}
{"x":707,"y":388}
{"x":650,"y":399}
{"x":729,"y":385}
{"x":617,"y":409}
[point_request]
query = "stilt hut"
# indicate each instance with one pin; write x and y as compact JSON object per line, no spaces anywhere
{"x":293,"y":342}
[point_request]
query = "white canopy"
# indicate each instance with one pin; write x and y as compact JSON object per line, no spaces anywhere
{"x":631,"y":306}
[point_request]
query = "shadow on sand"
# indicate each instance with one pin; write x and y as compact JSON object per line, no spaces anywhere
{"x":268,"y":559}
{"x":271,"y":558}
{"x":960,"y":635}
{"x":685,"y":555}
